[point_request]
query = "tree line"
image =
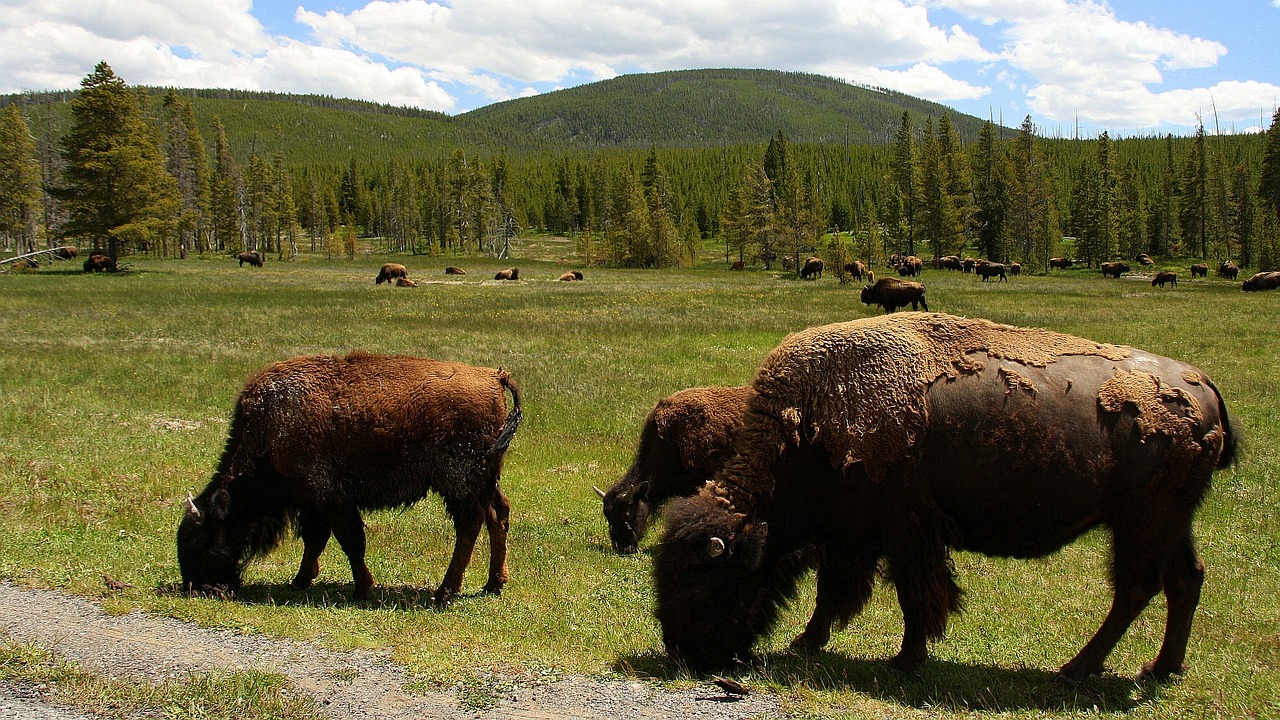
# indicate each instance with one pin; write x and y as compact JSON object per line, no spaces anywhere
{"x":127,"y":177}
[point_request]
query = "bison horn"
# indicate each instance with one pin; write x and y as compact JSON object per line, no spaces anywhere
{"x":192,"y":510}
{"x":598,"y":491}
{"x":715,"y":548}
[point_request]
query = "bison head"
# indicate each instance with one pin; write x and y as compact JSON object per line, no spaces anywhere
{"x":626,"y":509}
{"x":208,"y":559}
{"x":713,"y":594}
{"x":869,"y":296}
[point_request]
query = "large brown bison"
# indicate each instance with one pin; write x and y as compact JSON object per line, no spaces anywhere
{"x":950,"y":262}
{"x":911,"y":266}
{"x":253,"y":257}
{"x":66,"y":252}
{"x":857,"y":270}
{"x":1114,"y":269}
{"x":1261,"y":281}
{"x":892,"y":293}
{"x":98,"y":262}
{"x":812,"y":268}
{"x":987,"y":270}
{"x":1059,"y":263}
{"x":314,"y":441}
{"x":1200,"y":270}
{"x":454,"y":270}
{"x":1228,"y":270}
{"x":1163,"y":277}
{"x":389,"y":272}
{"x":511,"y":273}
{"x":875,"y":448}
{"x":686,"y":438}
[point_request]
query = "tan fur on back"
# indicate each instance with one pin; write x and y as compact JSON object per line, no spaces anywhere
{"x":1152,"y":398}
{"x":861,"y":385}
{"x":701,"y":422}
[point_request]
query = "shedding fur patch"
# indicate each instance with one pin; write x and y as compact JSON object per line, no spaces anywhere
{"x":1152,"y":399}
{"x":1013,"y":380}
{"x":864,"y":382}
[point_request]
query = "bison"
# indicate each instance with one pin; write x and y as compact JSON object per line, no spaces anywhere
{"x":253,"y":257}
{"x":1060,"y":263}
{"x":389,"y":272}
{"x":405,"y":282}
{"x":812,"y":268}
{"x":1144,"y":259}
{"x":1114,"y":269}
{"x":857,"y":269}
{"x":1261,"y":281}
{"x":1200,"y":270}
{"x":1015,"y":269}
{"x":66,"y":252}
{"x":987,"y":270}
{"x":570,"y":276}
{"x":738,"y":265}
{"x":314,"y":441}
{"x":911,"y":266}
{"x":1228,"y":270}
{"x":97,"y":262}
{"x":511,"y":273}
{"x":892,"y":293}
{"x":1165,"y":277}
{"x":451,"y":270}
{"x":950,"y":262}
{"x":875,"y":448}
{"x":686,"y":438}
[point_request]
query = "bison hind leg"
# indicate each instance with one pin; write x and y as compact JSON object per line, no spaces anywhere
{"x":349,"y":531}
{"x":1182,"y":581}
{"x":314,"y":529}
{"x":498,"y":520}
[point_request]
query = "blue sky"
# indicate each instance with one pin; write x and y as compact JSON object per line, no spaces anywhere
{"x":1126,"y":66}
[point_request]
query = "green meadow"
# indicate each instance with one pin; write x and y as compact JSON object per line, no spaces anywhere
{"x":115,"y":391}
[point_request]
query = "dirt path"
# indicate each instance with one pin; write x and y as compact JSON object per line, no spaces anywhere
{"x":357,"y":684}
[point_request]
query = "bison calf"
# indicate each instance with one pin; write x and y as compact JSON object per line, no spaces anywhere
{"x":686,"y":438}
{"x":316,"y":440}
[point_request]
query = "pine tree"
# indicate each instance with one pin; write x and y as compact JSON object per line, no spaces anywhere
{"x":1193,"y":215}
{"x":188,"y":162}
{"x":1032,"y":216}
{"x":992,"y":182}
{"x":226,"y":193}
{"x":286,"y":209}
{"x":1269,"y":192}
{"x":20,"y":194}
{"x":904,"y":170}
{"x":940,"y":224}
{"x":115,"y":188}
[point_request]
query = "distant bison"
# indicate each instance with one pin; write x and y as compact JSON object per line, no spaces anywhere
{"x":1228,"y":270}
{"x":66,"y":252}
{"x":857,"y":270}
{"x":390,"y":272}
{"x":451,"y":270}
{"x":812,"y":268}
{"x":738,"y":265}
{"x":571,"y":275}
{"x":1144,"y":259}
{"x":1015,"y":268}
{"x":1165,"y":277}
{"x":950,"y":262}
{"x":874,"y":449}
{"x":686,"y":438}
{"x":892,"y":293}
{"x":987,"y":270}
{"x":253,"y":257}
{"x":1200,"y":270}
{"x":1060,"y":263}
{"x":314,"y":441}
{"x":405,"y":282}
{"x":911,"y":266}
{"x":1262,"y":281}
{"x":508,"y":274}
{"x":1114,"y":269}
{"x":97,"y":262}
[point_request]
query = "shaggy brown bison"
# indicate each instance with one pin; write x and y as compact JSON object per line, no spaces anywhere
{"x":1200,"y":270}
{"x":987,"y":270}
{"x":1144,"y":259}
{"x":314,"y":441}
{"x":1262,"y":281}
{"x":738,"y":265}
{"x":1060,"y":263}
{"x":511,"y":273}
{"x":253,"y":257}
{"x":1114,"y":269}
{"x":875,"y":448}
{"x":1165,"y":277}
{"x":892,"y":293}
{"x":451,"y":270}
{"x":856,"y":269}
{"x":570,"y":276}
{"x":686,"y":438}
{"x":1015,"y":268}
{"x":812,"y":268}
{"x":950,"y":262}
{"x":389,"y":272}
{"x":405,"y":282}
{"x":66,"y":252}
{"x":97,"y":262}
{"x":911,"y":266}
{"x":1228,"y":270}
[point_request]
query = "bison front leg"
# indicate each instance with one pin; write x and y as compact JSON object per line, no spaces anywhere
{"x":349,"y":530}
{"x":468,"y":518}
{"x":314,"y":530}
{"x":843,"y":590}
{"x":927,"y":594}
{"x":498,"y":520}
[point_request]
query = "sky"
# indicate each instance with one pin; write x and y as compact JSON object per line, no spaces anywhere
{"x":1076,"y":67}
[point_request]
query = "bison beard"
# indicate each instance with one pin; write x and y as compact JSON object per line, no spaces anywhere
{"x":316,"y":440}
{"x":880,"y":445}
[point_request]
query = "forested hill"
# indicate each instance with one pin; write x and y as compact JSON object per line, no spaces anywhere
{"x":688,"y":108}
{"x":693,"y":108}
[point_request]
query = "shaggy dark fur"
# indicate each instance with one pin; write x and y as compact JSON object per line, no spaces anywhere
{"x":314,"y":441}
{"x":686,"y":438}
{"x":253,"y":257}
{"x":1200,"y":270}
{"x":508,"y":274}
{"x":1161,"y":278}
{"x":812,"y":268}
{"x":1228,"y":270}
{"x":1012,"y":442}
{"x":1114,"y":269}
{"x":1262,"y":281}
{"x":98,"y":262}
{"x":1060,"y":263}
{"x":892,"y":293}
{"x":988,"y":270}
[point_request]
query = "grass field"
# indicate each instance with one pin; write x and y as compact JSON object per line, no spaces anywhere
{"x":115,"y":392}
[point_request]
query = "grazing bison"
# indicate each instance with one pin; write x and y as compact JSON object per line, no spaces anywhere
{"x":812,"y":268}
{"x":451,"y":270}
{"x":390,"y":272}
{"x":1165,"y":277}
{"x":1228,"y":270}
{"x":1015,"y":268}
{"x":314,"y":441}
{"x":1262,"y":281}
{"x":875,"y":448}
{"x":253,"y":257}
{"x":511,"y":273}
{"x":968,"y":264}
{"x":738,"y":265}
{"x":1060,"y":263}
{"x":892,"y":293}
{"x":911,"y":266}
{"x":97,"y":262}
{"x":686,"y":438}
{"x":66,"y":252}
{"x":987,"y":270}
{"x":950,"y":262}
{"x":857,"y":269}
{"x":1114,"y":269}
{"x":1200,"y":270}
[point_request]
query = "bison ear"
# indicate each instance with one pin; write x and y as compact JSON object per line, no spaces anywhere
{"x":642,"y":490}
{"x":220,"y":503}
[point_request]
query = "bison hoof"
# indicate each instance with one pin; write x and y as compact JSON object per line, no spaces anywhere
{"x":1153,"y":671}
{"x":301,"y":583}
{"x":443,"y":597}
{"x":906,"y":663}
{"x":1073,"y":672}
{"x":493,"y":587}
{"x":809,"y":642}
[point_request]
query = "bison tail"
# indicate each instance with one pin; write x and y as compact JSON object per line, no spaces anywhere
{"x":1230,"y":437}
{"x":509,"y":426}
